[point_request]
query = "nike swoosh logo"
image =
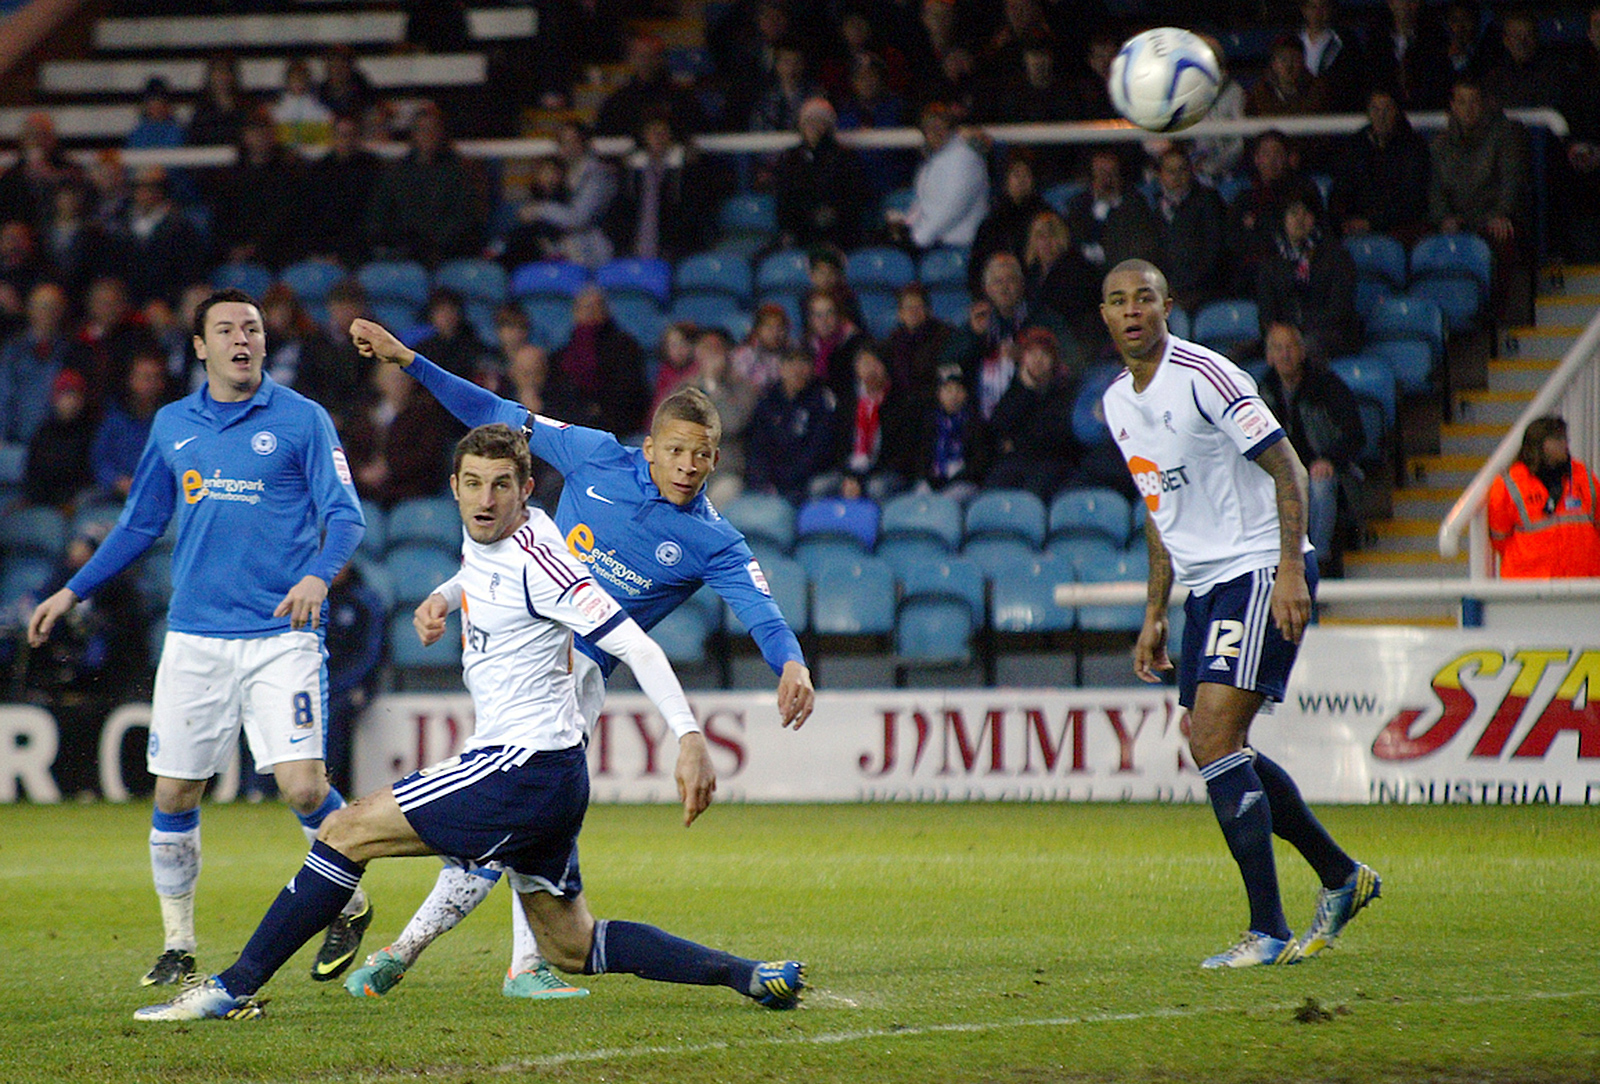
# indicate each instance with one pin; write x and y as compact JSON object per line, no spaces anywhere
{"x":178,"y":447}
{"x":597,"y":496}
{"x":297,"y":741}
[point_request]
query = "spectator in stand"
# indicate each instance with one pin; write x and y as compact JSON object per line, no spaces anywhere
{"x":1383,"y":175}
{"x":1528,"y":75}
{"x":986,"y":345}
{"x":744,"y":47}
{"x":451,"y":343}
{"x":756,"y":360}
{"x":1334,"y":59}
{"x":260,"y":204}
{"x":29,"y":362}
{"x":354,"y":640}
{"x":1021,"y":23}
{"x":675,"y":354}
{"x":1542,"y":512}
{"x":1310,"y":283}
{"x":1286,"y":88}
{"x":221,"y":110}
{"x":111,"y":334}
{"x":340,"y":385}
{"x":861,"y":43}
{"x":110,"y":191}
{"x":734,"y":399}
{"x":75,"y":248}
{"x":872,"y":104}
{"x":913,"y":348}
{"x":162,"y":248}
{"x":27,"y":186}
{"x":58,"y":468}
{"x":399,"y":441}
{"x":1193,"y":224}
{"x":825,"y":269}
{"x":572,"y":229}
{"x":791,"y":431}
{"x":1035,"y":93}
{"x":345,"y":90}
{"x":1011,"y":214}
{"x":20,"y":269}
{"x":831,"y":339}
{"x":1320,"y":417}
{"x":157,"y":126}
{"x":1061,"y":282}
{"x":777,"y":107}
{"x":1108,"y":223}
{"x":876,"y":435}
{"x":575,"y":36}
{"x":1480,"y":184}
{"x":1257,"y":212}
{"x":1409,"y":61}
{"x":818,"y":184}
{"x":172,"y":329}
{"x":649,"y":89}
{"x":343,"y":180}
{"x":125,"y":424}
{"x":659,"y":212}
{"x":1092,"y":99}
{"x":424,"y":206}
{"x":1578,"y":191}
{"x":299,"y":356}
{"x":1215,"y":157}
{"x":1463,"y":32}
{"x":1032,"y":423}
{"x":951,"y":187}
{"x":603,"y":369}
{"x":954,"y":450}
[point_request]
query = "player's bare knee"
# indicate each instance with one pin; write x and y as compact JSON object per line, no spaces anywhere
{"x":563,"y":928}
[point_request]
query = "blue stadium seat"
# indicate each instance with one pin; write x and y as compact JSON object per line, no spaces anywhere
{"x":930,"y":517}
{"x":312,"y":280}
{"x":853,"y":597}
{"x":1059,"y":196}
{"x":415,"y":571}
{"x":950,"y":304}
{"x":1088,"y":423}
{"x":33,"y":532}
{"x":991,"y":555}
{"x":426,"y":521}
{"x":762,"y":517}
{"x":394,"y":282}
{"x":1228,"y":325}
{"x":96,"y":517}
{"x":1123,"y":568}
{"x":475,"y":280}
{"x":1179,"y":324}
{"x":1007,"y":513}
{"x":819,"y":552}
{"x":1378,"y":257}
{"x":376,"y":538}
{"x":376,"y":576}
{"x":953,"y":578}
{"x":748,"y":212}
{"x":1078,"y":551}
{"x":933,"y":632}
{"x":852,"y":520}
{"x":652,"y":278}
{"x":1022,"y":597}
{"x":716,"y":272}
{"x":411,"y":660}
{"x":399,"y":317}
{"x":943,"y":266}
{"x":786,"y":269}
{"x":639,"y":316}
{"x":550,"y":320}
{"x":252,"y":278}
{"x":709,"y":310}
{"x":1091,"y":511}
{"x":1410,"y":320}
{"x":907,"y":552}
{"x":1368,"y":293}
{"x":879,"y":311}
{"x":787,"y":582}
{"x":1371,"y":380}
{"x":879,"y":267}
{"x":23,"y":580}
{"x":549,"y":278}
{"x":1453,"y":271}
{"x":683,"y":633}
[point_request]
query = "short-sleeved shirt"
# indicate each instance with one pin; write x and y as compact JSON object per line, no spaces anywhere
{"x":1190,"y":439}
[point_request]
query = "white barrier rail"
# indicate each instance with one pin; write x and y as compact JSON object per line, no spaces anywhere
{"x":1375,"y":590}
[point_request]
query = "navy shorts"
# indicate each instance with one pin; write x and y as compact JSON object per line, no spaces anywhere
{"x":1229,"y":637}
{"x":483,"y":806}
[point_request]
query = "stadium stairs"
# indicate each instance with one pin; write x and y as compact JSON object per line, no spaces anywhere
{"x":1407,"y":544}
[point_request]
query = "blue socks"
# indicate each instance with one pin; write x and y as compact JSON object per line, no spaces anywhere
{"x":632,"y":948}
{"x":302,"y":910}
{"x":1293,"y":821}
{"x":1240,"y":803}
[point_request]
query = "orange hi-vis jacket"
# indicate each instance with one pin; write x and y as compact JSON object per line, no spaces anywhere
{"x":1533,"y":545}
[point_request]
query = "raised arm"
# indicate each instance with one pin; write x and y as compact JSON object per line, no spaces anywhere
{"x":1291,"y":598}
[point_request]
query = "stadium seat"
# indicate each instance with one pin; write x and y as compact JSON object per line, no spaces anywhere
{"x":426,"y":521}
{"x":376,"y":576}
{"x":683,"y":632}
{"x":855,"y":521}
{"x":1079,"y":550}
{"x":853,"y":597}
{"x":1179,"y":324}
{"x":879,"y":311}
{"x":933,"y":632}
{"x":153,"y":574}
{"x":953,"y":578}
{"x":252,"y":278}
{"x":550,"y":320}
{"x":1007,"y":513}
{"x":1230,"y":325}
{"x":991,"y":555}
{"x":33,"y":532}
{"x":415,"y":570}
{"x":1090,"y":512}
{"x":312,"y":280}
{"x":748,"y":213}
{"x":1368,"y":294}
{"x":879,"y":267}
{"x":394,"y":282}
{"x":23,"y":580}
{"x":709,"y":310}
{"x":376,"y":538}
{"x":399,"y":317}
{"x":928,"y":517}
{"x":1060,"y":196}
{"x":716,"y":272}
{"x":787,"y":582}
{"x":762,"y":517}
{"x":1371,"y":380}
{"x":1411,"y":361}
{"x":412,"y":662}
{"x":1022,"y":597}
{"x":640,"y":317}
{"x":1453,"y":271}
{"x":483,"y":281}
{"x":653,"y":278}
{"x":943,"y":266}
{"x":907,"y":552}
{"x":786,"y":269}
{"x":1379,"y":258}
{"x":1407,"y":320}
{"x":549,"y":278}
{"x":95,"y":517}
{"x":1124,"y":567}
{"x":950,"y":304}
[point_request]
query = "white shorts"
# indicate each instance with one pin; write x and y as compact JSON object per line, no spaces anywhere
{"x":276,"y":686}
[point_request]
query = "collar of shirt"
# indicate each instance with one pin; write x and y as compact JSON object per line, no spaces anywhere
{"x":199,"y":406}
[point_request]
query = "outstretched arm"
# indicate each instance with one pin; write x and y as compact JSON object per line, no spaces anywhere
{"x":1291,"y":598}
{"x":472,"y":405}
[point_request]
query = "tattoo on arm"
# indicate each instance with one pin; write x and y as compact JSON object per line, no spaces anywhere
{"x":1160,"y":585}
{"x":1289,"y":480}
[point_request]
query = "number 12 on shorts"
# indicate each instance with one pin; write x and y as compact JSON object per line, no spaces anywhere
{"x":1223,"y":638}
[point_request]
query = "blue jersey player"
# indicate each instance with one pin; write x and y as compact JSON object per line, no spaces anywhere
{"x":266,"y":515}
{"x":639,"y":520}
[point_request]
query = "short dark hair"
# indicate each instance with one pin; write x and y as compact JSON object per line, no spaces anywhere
{"x":231,"y":294}
{"x":689,"y":405}
{"x":496,"y":441}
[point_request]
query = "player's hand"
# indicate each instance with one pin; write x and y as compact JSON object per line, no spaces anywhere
{"x":373,"y":340}
{"x":47,"y":613}
{"x":428,"y":619}
{"x":1291,"y":601}
{"x":697,"y":779}
{"x":303,"y":604}
{"x":796,"y":695}
{"x":1150,"y":650}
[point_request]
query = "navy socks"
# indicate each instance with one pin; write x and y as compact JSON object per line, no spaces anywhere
{"x":302,"y":910}
{"x":1240,"y":803}
{"x":1294,"y":822}
{"x":634,"y":948}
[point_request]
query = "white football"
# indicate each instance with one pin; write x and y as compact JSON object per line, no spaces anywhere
{"x":1164,"y":79}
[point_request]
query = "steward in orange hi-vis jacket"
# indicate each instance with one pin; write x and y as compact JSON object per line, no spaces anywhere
{"x":1542,"y":511}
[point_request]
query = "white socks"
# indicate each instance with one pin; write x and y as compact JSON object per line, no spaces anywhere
{"x":175,"y":867}
{"x":454,"y":896}
{"x":524,"y":949}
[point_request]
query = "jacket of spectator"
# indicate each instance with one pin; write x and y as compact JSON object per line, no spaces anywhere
{"x":1321,"y":419}
{"x":951,"y":187}
{"x":58,"y":465}
{"x":660,"y":209}
{"x":1382,"y":176}
{"x":1108,"y":222}
{"x":1031,"y":426}
{"x":424,"y":207}
{"x":162,"y":247}
{"x":1479,"y":171}
{"x":1542,"y":512}
{"x":1005,"y":227}
{"x":1310,"y":282}
{"x":818,"y":184}
{"x":343,"y":181}
{"x":791,"y":432}
{"x":29,"y":362}
{"x":579,"y":219}
{"x":602,"y":367}
{"x":1194,"y":223}
{"x":259,"y":205}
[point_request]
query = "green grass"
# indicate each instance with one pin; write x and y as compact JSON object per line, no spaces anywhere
{"x":1008,"y":943}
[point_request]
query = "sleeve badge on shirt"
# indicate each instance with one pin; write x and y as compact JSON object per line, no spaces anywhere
{"x":1251,"y":422}
{"x":592,"y":602}
{"x":341,"y":467}
{"x":758,"y":577}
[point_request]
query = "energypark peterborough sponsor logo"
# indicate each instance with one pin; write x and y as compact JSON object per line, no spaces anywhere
{"x":605,"y":563}
{"x":1152,"y":481}
{"x":1418,"y":732}
{"x":196,"y":487}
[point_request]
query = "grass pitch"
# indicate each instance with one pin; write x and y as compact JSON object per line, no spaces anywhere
{"x":1007,"y":943}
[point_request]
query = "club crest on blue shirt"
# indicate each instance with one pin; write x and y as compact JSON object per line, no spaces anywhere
{"x":669,"y":553}
{"x":264,"y":443}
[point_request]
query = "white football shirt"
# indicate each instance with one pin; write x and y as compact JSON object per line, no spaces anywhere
{"x":1190,"y":439}
{"x":521,"y":599}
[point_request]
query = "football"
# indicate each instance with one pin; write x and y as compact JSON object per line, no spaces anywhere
{"x":1164,"y":79}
